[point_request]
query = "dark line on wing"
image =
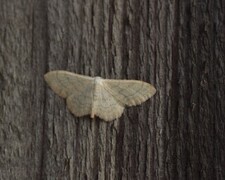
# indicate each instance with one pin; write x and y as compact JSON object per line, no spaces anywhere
{"x":57,"y":76}
{"x":103,"y":98}
{"x":127,"y":97}
{"x":136,"y":91}
{"x":113,"y":95}
{"x":79,"y":102}
{"x":78,"y":83}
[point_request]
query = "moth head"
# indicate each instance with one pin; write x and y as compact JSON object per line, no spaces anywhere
{"x":98,"y":80}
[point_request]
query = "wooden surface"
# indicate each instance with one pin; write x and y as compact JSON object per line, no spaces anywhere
{"x":178,"y":46}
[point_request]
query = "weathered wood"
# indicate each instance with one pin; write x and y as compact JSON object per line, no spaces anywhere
{"x":178,"y":46}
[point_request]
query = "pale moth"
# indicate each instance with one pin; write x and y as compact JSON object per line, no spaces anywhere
{"x":96,"y":96}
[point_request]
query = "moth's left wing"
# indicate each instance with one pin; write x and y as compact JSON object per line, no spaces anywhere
{"x":66,"y":83}
{"x":77,"y":89}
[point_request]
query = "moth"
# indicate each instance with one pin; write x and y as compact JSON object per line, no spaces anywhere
{"x":105,"y":98}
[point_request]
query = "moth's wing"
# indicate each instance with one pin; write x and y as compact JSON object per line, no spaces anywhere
{"x":130,"y":92}
{"x":80,"y":105}
{"x":78,"y":90}
{"x":106,"y":106}
{"x":65,"y":83}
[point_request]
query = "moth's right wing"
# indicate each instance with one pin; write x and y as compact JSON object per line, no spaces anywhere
{"x":129,"y":92}
{"x":106,"y":106}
